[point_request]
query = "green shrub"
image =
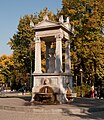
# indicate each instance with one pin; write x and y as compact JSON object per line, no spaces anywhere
{"x":84,"y":89}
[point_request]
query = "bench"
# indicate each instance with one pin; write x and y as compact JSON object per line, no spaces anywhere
{"x":71,"y":95}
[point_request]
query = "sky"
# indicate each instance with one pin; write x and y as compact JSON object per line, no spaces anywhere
{"x":12,"y":10}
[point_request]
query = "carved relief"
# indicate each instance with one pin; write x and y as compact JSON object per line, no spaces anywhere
{"x":45,"y":81}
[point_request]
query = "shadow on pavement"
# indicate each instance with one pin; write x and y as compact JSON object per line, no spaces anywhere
{"x":89,"y":108}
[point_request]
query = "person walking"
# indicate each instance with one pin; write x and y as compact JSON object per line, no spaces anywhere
{"x":2,"y":89}
{"x":92,"y":91}
{"x":98,"y":92}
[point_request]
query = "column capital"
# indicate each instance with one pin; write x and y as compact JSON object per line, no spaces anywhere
{"x":37,"y":39}
{"x":59,"y":36}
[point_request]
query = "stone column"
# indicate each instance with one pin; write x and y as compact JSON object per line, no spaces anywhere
{"x":47,"y":55}
{"x":67,"y":57}
{"x":71,"y":83}
{"x":58,"y":63}
{"x":37,"y":55}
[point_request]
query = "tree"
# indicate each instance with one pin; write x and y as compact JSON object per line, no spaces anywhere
{"x":87,"y":45}
{"x":6,"y":68}
{"x":22,"y":46}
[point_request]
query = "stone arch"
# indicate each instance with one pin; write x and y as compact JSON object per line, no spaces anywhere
{"x":46,"y":89}
{"x":46,"y":95}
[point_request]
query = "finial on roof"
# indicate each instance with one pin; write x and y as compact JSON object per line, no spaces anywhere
{"x":61,"y":19}
{"x":45,"y":17}
{"x":67,"y":19}
{"x":31,"y":24}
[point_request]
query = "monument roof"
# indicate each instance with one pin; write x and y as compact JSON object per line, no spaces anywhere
{"x":45,"y":24}
{"x":48,"y":24}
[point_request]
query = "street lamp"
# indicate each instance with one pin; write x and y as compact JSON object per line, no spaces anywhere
{"x":31,"y":26}
{"x":81,"y":71}
{"x":76,"y":80}
{"x":31,"y":76}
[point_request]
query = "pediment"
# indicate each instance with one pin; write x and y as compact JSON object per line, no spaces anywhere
{"x":46,"y":23}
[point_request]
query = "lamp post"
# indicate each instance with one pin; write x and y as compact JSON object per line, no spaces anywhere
{"x":81,"y":71}
{"x":31,"y":26}
{"x":31,"y":76}
{"x":76,"y":80}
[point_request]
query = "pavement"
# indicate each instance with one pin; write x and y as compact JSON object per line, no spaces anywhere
{"x":80,"y":108}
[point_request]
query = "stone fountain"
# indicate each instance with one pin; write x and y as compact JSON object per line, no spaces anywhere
{"x":54,"y":84}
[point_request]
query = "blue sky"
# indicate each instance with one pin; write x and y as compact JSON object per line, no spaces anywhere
{"x":12,"y":10}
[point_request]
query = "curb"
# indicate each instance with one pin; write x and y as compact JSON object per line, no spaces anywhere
{"x":44,"y":110}
{"x":54,"y":111}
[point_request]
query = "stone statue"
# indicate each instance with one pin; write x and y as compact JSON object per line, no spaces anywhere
{"x":51,"y":61}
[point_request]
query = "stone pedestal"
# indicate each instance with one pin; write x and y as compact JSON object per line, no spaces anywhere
{"x":56,"y":81}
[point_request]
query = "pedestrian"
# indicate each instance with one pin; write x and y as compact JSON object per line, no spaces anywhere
{"x":98,"y":92}
{"x":95,"y":94}
{"x":2,"y":89}
{"x":101,"y":93}
{"x":92,"y":91}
